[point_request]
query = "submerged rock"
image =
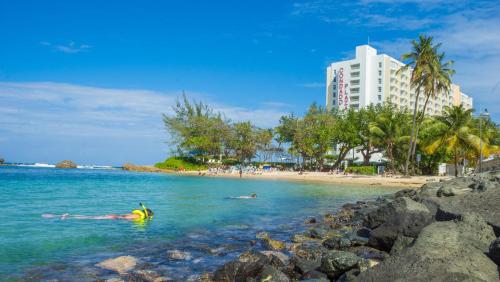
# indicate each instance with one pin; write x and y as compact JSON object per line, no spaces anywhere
{"x":178,"y":255}
{"x":121,"y":264}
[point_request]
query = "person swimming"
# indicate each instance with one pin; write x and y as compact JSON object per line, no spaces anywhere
{"x":135,"y":215}
{"x":253,"y":196}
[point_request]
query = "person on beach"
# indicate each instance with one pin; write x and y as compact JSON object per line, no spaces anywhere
{"x":135,"y":215}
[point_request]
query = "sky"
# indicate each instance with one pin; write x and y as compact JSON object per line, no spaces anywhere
{"x":89,"y":80}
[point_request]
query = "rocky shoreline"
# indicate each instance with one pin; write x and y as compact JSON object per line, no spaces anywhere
{"x":445,"y":231}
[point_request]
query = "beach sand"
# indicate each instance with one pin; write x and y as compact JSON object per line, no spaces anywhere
{"x":324,"y":177}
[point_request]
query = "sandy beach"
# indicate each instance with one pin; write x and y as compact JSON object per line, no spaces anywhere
{"x":394,"y":181}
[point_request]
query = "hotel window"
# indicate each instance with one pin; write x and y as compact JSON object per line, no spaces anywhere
{"x":379,"y":97}
{"x":334,"y":102}
{"x":379,"y":64}
{"x":380,"y":81}
{"x":334,"y":87}
{"x":380,"y":89}
{"x":380,"y":73}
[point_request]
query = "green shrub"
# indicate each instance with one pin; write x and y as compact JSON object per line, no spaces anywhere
{"x":181,"y":163}
{"x":365,"y":170}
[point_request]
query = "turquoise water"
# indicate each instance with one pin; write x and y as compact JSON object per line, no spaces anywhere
{"x":187,"y":210}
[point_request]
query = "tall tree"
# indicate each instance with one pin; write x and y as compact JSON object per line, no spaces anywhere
{"x":430,"y":75}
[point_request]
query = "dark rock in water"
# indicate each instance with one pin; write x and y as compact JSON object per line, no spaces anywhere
{"x":405,"y":223}
{"x":443,"y":251}
{"x":271,"y":274}
{"x":272,"y":255}
{"x":315,"y":276}
{"x":310,"y":220}
{"x":398,"y":206}
{"x":369,"y":253}
{"x":253,"y":256}
{"x":238,"y":271}
{"x":401,"y":243}
{"x":122,"y":264}
{"x":364,"y":232}
{"x":494,"y":251}
{"x":336,"y":243}
{"x":334,"y":263}
{"x":485,"y":203}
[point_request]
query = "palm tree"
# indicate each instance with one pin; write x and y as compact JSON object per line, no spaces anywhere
{"x":389,"y":130}
{"x":455,"y":132}
{"x":430,"y":75}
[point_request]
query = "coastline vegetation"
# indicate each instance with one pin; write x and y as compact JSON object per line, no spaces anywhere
{"x":323,"y":140}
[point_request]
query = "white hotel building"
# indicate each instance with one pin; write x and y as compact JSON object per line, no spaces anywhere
{"x":372,"y":79}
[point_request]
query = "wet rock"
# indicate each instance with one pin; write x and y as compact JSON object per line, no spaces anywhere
{"x":337,"y":243}
{"x":253,"y":256}
{"x":146,"y":275}
{"x":306,"y":251}
{"x":121,"y":264}
{"x":317,"y":233}
{"x":238,"y":271}
{"x":398,"y":206}
{"x":279,"y":255}
{"x":443,"y":251}
{"x":364,"y":232}
{"x":369,"y":253}
{"x":274,"y":245}
{"x":334,"y":263}
{"x":494,"y":251}
{"x":262,"y":235}
{"x":401,"y":243}
{"x":299,"y":238}
{"x":408,"y":221}
{"x":310,"y":220}
{"x":303,"y":266}
{"x":178,"y":255}
{"x":271,"y":274}
{"x":315,"y":276}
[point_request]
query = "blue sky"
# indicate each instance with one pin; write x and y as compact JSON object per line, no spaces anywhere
{"x":88,"y":80}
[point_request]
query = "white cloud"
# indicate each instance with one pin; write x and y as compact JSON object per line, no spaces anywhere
{"x":70,"y":48}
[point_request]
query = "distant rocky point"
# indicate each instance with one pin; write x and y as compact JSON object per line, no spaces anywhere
{"x":66,"y":164}
{"x":132,"y":167}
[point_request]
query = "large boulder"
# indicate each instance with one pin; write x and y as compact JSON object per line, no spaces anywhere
{"x":334,"y":263}
{"x":271,"y":274}
{"x":405,"y":224}
{"x":486,"y":203}
{"x":66,"y":164}
{"x":443,"y":251}
{"x":398,"y":206}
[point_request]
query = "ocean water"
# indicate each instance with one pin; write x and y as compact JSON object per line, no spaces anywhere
{"x":192,"y":214}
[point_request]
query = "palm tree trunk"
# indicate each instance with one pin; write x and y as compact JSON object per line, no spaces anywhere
{"x":456,"y":163}
{"x":417,"y":129}
{"x":408,"y":156}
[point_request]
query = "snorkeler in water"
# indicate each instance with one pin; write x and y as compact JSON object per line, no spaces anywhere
{"x":135,"y":215}
{"x":253,"y":196}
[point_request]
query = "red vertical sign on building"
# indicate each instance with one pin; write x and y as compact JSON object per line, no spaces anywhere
{"x":340,"y":80}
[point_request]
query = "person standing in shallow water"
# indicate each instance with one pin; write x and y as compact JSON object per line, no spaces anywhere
{"x":241,"y":172}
